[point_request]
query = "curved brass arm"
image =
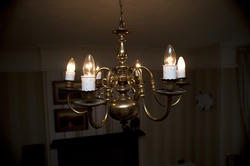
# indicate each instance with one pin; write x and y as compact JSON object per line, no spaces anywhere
{"x":154,"y":92}
{"x":71,"y":107}
{"x":168,"y":108}
{"x":104,"y":79}
{"x":165,"y":115}
{"x":172,"y":105}
{"x":100,"y":70}
{"x":151,"y":76}
{"x":131,"y":86}
{"x":91,"y":120}
{"x":153,"y":85}
{"x":135,"y":69}
{"x":177,"y":101}
{"x":157,"y":100}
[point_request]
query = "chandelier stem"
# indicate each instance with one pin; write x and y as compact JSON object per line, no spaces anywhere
{"x":122,"y":23}
{"x":121,"y":32}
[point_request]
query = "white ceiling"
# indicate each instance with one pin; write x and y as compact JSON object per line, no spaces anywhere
{"x":190,"y":23}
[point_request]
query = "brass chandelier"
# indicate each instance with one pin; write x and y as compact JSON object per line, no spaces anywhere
{"x":121,"y":88}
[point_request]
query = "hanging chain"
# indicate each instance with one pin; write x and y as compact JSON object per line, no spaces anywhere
{"x":122,"y":23}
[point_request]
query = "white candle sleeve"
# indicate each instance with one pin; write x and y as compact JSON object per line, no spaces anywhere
{"x":70,"y":76}
{"x":169,"y":72}
{"x":181,"y":73}
{"x":88,"y":83}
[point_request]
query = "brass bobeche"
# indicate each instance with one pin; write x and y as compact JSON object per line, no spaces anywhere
{"x":122,"y":91}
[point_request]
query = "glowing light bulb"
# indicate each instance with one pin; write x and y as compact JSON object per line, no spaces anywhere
{"x":169,"y":67}
{"x":88,"y":78}
{"x":170,"y":56}
{"x":71,"y":65}
{"x":89,"y":66}
{"x":181,"y":68}
{"x":70,"y":72}
{"x":181,"y":63}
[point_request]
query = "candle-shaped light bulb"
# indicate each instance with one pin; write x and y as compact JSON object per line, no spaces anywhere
{"x":181,"y":68}
{"x":89,"y":66}
{"x":70,"y":72}
{"x":170,"y":56}
{"x":71,"y":66}
{"x":99,"y":74}
{"x":138,"y":72}
{"x":88,"y":78}
{"x":181,"y":63}
{"x":169,"y":67}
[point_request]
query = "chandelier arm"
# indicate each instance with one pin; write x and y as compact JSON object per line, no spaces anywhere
{"x":131,"y":86}
{"x":165,"y":115}
{"x":101,"y":69}
{"x":157,"y":100}
{"x":101,"y":92}
{"x":151,"y":77}
{"x":114,"y":84}
{"x":141,"y":92}
{"x":163,"y":105}
{"x":177,"y":101}
{"x":136,"y":69}
{"x":93,"y":123}
{"x":103,"y":80}
{"x":71,"y":107}
{"x":153,"y":86}
{"x":133,"y":81}
{"x":111,"y":84}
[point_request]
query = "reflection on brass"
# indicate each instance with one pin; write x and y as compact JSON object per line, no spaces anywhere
{"x":123,"y":108}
